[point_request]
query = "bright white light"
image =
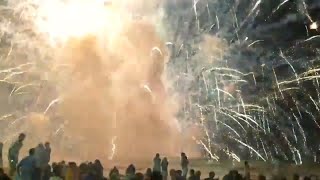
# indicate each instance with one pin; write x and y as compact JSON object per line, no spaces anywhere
{"x":73,"y":18}
{"x":314,"y":26}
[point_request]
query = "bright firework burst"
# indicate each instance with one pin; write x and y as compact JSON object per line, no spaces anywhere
{"x":250,"y":87}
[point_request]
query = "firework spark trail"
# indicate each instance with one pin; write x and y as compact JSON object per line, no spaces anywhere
{"x":279,"y":6}
{"x":15,"y":90}
{"x":231,"y":117}
{"x":208,"y":138}
{"x":278,"y":84}
{"x":212,"y":156}
{"x":232,"y":129}
{"x":294,"y":132}
{"x":264,"y":149}
{"x":6,"y":116}
{"x":301,"y":129}
{"x":285,"y":58}
{"x":251,"y":148}
{"x":244,"y":118}
{"x":53,"y":102}
{"x":114,"y":147}
{"x":313,"y":118}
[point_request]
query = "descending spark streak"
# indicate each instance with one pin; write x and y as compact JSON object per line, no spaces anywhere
{"x":255,"y":7}
{"x":301,"y":129}
{"x":251,"y":148}
{"x":229,"y":128}
{"x":195,"y":2}
{"x":23,"y":86}
{"x":241,"y":116}
{"x":264,"y":149}
{"x":254,"y":42}
{"x":294,"y":133}
{"x":311,"y":38}
{"x":51,"y":104}
{"x":15,"y":121}
{"x":295,"y":72}
{"x":233,"y":119}
{"x":313,"y":118}
{"x":218,"y":22}
{"x":113,"y":149}
{"x":212,"y":156}
{"x":5,"y":116}
{"x":278,"y":85}
{"x":205,"y":128}
{"x":281,"y":4}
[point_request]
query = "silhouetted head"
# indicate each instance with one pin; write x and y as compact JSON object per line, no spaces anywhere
{"x":306,"y":178}
{"x":157,"y":155}
{"x":172,"y":172}
{"x":21,"y":137}
{"x":31,"y":151}
{"x":179,"y":172}
{"x":139,"y":176}
{"x":156,"y":176}
{"x":40,"y":145}
{"x":198,"y":173}
{"x":296,"y":177}
{"x":183,"y":154}
{"x":149,"y":172}
{"x":212,"y":174}
{"x":246,"y":163}
{"x":97,"y":162}
{"x":261,"y":177}
{"x":47,"y":145}
{"x":192,"y":172}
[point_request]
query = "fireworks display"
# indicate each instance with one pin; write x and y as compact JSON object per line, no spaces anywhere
{"x":241,"y":76}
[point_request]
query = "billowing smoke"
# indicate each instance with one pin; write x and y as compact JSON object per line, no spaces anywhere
{"x":92,"y":93}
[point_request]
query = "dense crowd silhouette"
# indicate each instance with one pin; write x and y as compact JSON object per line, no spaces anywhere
{"x":36,"y":166}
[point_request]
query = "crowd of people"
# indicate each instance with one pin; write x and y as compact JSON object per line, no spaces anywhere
{"x":36,"y":166}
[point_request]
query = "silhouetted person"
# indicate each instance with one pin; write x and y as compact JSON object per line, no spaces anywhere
{"x":13,"y":154}
{"x":172,"y":174}
{"x":56,"y":173}
{"x":179,"y":175}
{"x":192,"y":175}
{"x":40,"y":157}
{"x":148,"y":174}
{"x":157,"y":163}
{"x":46,"y":172}
{"x":114,"y":174}
{"x":212,"y":174}
{"x":156,"y":175}
{"x":164,"y":168}
{"x":1,"y":158}
{"x":262,"y":177}
{"x":198,"y":175}
{"x":27,"y":166}
{"x":246,"y":170}
{"x":98,"y":168}
{"x":3,"y":176}
{"x":47,"y":152}
{"x":139,"y":176}
{"x":232,"y":175}
{"x":184,"y":164}
{"x":130,"y":172}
